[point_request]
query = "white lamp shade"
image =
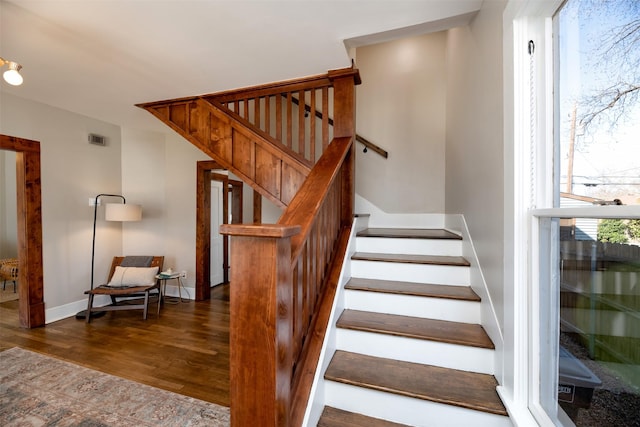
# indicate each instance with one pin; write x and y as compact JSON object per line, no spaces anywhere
{"x":122,"y":212}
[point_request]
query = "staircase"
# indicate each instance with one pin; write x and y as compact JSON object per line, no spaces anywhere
{"x":410,"y":349}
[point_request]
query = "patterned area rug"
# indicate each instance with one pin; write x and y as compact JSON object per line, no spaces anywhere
{"x":37,"y":390}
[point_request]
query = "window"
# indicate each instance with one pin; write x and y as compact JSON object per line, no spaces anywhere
{"x":544,"y":251}
{"x":588,"y":241}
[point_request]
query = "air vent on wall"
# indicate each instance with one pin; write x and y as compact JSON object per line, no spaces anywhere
{"x":97,"y":139}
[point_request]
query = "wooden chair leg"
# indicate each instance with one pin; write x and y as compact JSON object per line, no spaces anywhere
{"x":159,"y":299}
{"x":146,"y":305}
{"x":89,"y":305}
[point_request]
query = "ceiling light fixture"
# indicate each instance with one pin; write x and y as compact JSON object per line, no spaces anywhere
{"x":12,"y":75}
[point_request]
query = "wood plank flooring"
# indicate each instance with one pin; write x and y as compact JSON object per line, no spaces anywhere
{"x":185,"y":350}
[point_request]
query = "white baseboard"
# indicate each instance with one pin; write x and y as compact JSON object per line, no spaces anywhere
{"x":68,"y":310}
{"x":64,"y":311}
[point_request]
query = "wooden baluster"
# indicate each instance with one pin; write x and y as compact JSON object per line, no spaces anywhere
{"x":289,"y":120}
{"x":267,"y":114}
{"x":312,"y":127}
{"x":246,"y":109}
{"x":325,"y":118}
{"x":256,"y":112}
{"x":279,"y":118}
{"x":301,"y":124}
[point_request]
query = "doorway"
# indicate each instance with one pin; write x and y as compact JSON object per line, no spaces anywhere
{"x":29,"y":227}
{"x":219,"y":201}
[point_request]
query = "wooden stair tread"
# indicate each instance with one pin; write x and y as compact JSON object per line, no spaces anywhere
{"x":449,"y":386}
{"x":412,"y":259}
{"x":333,"y":417}
{"x":416,"y":289}
{"x":409,"y":233}
{"x":416,"y":327}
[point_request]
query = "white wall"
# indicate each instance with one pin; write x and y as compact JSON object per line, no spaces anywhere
{"x":474,"y":147}
{"x":8,"y":211}
{"x":401,"y":107}
{"x":72,"y":172}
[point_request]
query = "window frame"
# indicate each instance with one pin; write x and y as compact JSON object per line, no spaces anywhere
{"x":534,"y":137}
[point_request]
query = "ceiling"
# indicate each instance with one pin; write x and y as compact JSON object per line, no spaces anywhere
{"x":101,"y":57}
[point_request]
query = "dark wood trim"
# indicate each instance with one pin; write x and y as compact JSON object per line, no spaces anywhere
{"x":29,"y":206}
{"x":203,"y":222}
{"x":203,"y":229}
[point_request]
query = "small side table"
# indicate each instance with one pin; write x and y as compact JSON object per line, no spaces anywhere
{"x":163,"y":284}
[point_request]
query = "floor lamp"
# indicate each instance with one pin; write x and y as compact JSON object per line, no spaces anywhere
{"x":113,"y":212}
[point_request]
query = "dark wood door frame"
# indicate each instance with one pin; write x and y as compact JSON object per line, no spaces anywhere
{"x":29,"y":225}
{"x":205,"y":175}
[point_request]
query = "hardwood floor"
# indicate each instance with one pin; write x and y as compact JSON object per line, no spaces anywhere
{"x":184,"y":350}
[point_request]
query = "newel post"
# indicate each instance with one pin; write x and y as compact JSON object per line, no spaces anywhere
{"x":344,"y":125}
{"x":261,"y":324}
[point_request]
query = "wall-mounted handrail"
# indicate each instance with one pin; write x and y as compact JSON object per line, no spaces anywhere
{"x":368,"y":144}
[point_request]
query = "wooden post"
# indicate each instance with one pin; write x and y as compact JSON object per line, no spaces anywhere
{"x":203,"y":230}
{"x":261,"y":328}
{"x":344,"y":124}
{"x":29,"y":229}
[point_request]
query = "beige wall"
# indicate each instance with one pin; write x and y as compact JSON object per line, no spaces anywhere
{"x":401,"y":107}
{"x":159,"y":172}
{"x":72,"y":172}
{"x":154,"y":169}
{"x":474,"y":142}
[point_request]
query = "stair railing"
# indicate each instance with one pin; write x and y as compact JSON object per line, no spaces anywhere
{"x":283,"y":278}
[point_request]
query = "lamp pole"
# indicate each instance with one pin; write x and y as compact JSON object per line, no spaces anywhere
{"x":95,"y":217}
{"x":83,"y":314}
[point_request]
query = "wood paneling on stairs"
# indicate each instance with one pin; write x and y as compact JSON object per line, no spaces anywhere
{"x":416,"y":327}
{"x":412,"y":259}
{"x":332,"y":417}
{"x":460,"y":388}
{"x":410,"y":288}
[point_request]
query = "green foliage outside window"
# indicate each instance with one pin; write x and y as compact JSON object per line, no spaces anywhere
{"x":613,"y":231}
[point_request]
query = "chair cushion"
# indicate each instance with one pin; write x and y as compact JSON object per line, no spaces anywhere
{"x":133,"y":276}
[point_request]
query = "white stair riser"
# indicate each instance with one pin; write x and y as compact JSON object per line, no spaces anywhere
{"x":409,"y":305}
{"x":406,"y":410}
{"x":409,"y":246}
{"x":465,"y":358}
{"x":417,"y":273}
